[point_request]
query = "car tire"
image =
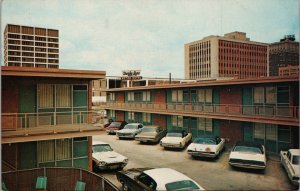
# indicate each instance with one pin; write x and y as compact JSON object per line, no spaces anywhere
{"x":125,"y":187}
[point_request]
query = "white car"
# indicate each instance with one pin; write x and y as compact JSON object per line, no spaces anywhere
{"x":291,"y":161}
{"x":248,"y":155}
{"x":130,"y":130}
{"x":160,"y":179}
{"x":176,"y":139}
{"x":206,"y":146}
{"x":105,"y":158}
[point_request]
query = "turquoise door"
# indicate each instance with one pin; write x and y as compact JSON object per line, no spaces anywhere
{"x":27,"y":99}
{"x":27,"y":155}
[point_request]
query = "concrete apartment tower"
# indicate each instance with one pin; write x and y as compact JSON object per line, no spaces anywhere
{"x":27,"y":46}
{"x":284,"y":56}
{"x":231,"y":55}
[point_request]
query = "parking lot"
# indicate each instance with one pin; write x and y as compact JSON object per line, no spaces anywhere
{"x":212,"y":174}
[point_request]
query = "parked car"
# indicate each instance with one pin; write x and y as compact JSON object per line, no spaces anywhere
{"x":130,"y":130}
{"x":176,"y":139}
{"x":206,"y":146}
{"x":291,"y":161}
{"x":105,"y":158}
{"x":108,"y":123}
{"x":115,"y":126}
{"x":151,"y":133}
{"x":248,"y":155}
{"x":150,"y":179}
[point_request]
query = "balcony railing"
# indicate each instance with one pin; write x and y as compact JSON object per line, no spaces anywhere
{"x":14,"y":124}
{"x":57,"y":179}
{"x":265,"y":111}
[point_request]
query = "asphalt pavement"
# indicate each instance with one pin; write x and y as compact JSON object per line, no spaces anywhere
{"x":212,"y":174}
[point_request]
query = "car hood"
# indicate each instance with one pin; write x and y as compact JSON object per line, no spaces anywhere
{"x":147,"y":134}
{"x":296,"y":168}
{"x":109,"y":157}
{"x":247,"y":156}
{"x":128,"y":131}
{"x":202,"y":147}
{"x":175,"y":140}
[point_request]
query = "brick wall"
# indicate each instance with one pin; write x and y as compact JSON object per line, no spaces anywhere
{"x":90,"y":158}
{"x":159,"y":96}
{"x":231,"y":130}
{"x":231,"y":96}
{"x":160,"y":120}
{"x":120,"y":115}
{"x":120,"y":97}
{"x":9,"y":96}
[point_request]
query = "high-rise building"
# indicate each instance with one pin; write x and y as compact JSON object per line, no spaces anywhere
{"x":231,"y":55}
{"x":283,"y":54}
{"x":27,"y":46}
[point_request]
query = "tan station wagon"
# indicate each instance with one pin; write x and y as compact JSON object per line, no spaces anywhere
{"x":151,"y":133}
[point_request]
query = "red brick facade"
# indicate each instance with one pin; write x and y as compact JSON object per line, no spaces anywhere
{"x":120,"y":115}
{"x":160,"y":120}
{"x":159,"y":96}
{"x":242,"y":59}
{"x":120,"y":97}
{"x":232,"y":130}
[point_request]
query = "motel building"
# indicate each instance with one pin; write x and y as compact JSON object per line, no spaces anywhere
{"x":263,"y":110}
{"x":47,"y":128}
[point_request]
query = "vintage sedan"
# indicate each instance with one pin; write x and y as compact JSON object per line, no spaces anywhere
{"x":176,"y":139}
{"x":248,"y":155}
{"x":115,"y":126}
{"x":151,"y":133}
{"x":130,"y":130}
{"x":206,"y":146}
{"x":291,"y":161}
{"x":105,"y":158}
{"x":150,"y":179}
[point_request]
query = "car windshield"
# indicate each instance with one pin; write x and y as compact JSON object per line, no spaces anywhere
{"x":115,"y":124}
{"x":131,"y":127}
{"x":182,"y":185}
{"x":174,"y":135}
{"x":149,"y":129}
{"x":205,"y":141}
{"x":247,"y":149}
{"x":101,"y":148}
{"x":296,"y":159}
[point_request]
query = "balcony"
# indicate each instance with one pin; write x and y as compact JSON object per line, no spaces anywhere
{"x":57,"y":179}
{"x":19,"y":127}
{"x":253,"y":113}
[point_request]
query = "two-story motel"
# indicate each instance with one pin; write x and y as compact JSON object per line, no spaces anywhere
{"x":46,"y":117}
{"x":263,"y":110}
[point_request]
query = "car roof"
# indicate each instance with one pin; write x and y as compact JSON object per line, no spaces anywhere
{"x":248,"y":144}
{"x":99,"y":143}
{"x":151,"y":126}
{"x":163,"y":176}
{"x":295,"y":151}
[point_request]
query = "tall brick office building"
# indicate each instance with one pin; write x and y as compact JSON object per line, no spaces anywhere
{"x":28,"y":46}
{"x":284,"y":55}
{"x":231,"y":55}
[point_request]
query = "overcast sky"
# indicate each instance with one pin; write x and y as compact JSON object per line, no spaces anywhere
{"x":115,"y":35}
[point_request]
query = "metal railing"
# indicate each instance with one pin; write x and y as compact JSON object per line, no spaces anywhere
{"x":58,"y":178}
{"x":287,"y":112}
{"x":15,"y":121}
